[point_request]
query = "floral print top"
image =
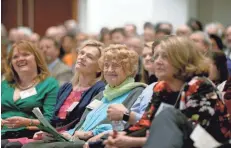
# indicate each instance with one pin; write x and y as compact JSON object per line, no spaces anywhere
{"x":199,"y":100}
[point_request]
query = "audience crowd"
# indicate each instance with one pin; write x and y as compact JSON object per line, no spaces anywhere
{"x":167,"y":87}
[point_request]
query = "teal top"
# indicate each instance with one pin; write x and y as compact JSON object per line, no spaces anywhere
{"x":45,"y":99}
{"x":97,"y":115}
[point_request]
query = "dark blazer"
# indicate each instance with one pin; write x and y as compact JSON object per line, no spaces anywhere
{"x":77,"y":112}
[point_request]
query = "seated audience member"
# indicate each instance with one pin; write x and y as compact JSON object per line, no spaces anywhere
{"x":172,"y":126}
{"x":118,"y":36}
{"x":179,"y":68}
{"x":164,"y":26}
{"x":202,"y":41}
{"x":119,"y":66}
{"x":216,"y":42}
{"x":28,"y":84}
{"x":162,"y":32}
{"x":218,"y":72}
{"x":195,"y":25}
{"x":130,"y":30}
{"x":57,"y":68}
{"x":104,"y":36}
{"x":213,"y":28}
{"x":80,"y":38}
{"x":68,"y":43}
{"x":118,"y":112}
{"x":227,"y":50}
{"x":148,"y":75}
{"x":149,"y":32}
{"x":86,"y":84}
{"x":135,"y":43}
{"x":34,"y":38}
{"x":183,"y":30}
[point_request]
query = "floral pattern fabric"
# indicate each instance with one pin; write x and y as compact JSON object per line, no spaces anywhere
{"x":198,"y":100}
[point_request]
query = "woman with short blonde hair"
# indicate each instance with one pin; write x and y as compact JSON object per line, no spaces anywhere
{"x":121,"y":55}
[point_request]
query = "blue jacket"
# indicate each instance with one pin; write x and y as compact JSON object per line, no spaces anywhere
{"x":77,"y":112}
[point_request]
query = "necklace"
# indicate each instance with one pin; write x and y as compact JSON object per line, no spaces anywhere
{"x":27,"y":87}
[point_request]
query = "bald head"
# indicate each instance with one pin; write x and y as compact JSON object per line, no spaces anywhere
{"x":51,"y":32}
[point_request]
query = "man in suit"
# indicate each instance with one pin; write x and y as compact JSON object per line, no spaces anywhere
{"x":50,"y":49}
{"x":227,"y":50}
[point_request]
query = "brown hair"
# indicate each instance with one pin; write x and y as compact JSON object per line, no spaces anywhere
{"x":91,"y":43}
{"x":184,"y":56}
{"x":145,"y":75}
{"x":127,"y":58}
{"x":43,"y":72}
{"x":152,"y":45}
{"x":219,"y":59}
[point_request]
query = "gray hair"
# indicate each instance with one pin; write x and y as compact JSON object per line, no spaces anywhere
{"x":214,"y":25}
{"x":206,"y":39}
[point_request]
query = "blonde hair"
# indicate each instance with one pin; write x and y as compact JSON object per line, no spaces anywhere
{"x":128,"y":59}
{"x":99,"y":46}
{"x":184,"y":56}
{"x":11,"y":74}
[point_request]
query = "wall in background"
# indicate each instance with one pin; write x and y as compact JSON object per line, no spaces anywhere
{"x":111,"y":13}
{"x":215,"y":10}
{"x":37,"y":14}
{"x":114,"y":13}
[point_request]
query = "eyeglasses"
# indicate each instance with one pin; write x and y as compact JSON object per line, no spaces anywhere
{"x":112,"y":65}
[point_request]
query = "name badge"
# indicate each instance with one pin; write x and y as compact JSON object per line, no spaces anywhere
{"x":162,"y":107}
{"x":27,"y":93}
{"x":202,"y":139}
{"x":94,"y":104}
{"x":73,"y":105}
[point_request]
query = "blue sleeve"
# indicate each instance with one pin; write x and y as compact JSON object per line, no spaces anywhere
{"x":71,"y":131}
{"x":101,"y":128}
{"x":142,"y":101}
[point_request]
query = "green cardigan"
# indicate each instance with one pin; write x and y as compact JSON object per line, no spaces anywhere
{"x":45,"y":99}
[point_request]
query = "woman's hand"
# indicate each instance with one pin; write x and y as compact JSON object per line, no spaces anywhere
{"x":46,"y":137}
{"x":115,"y":112}
{"x":38,"y":135}
{"x":16,"y":122}
{"x":95,"y":138}
{"x":3,"y":122}
{"x":120,"y":141}
{"x":66,"y":135}
{"x":82,"y":135}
